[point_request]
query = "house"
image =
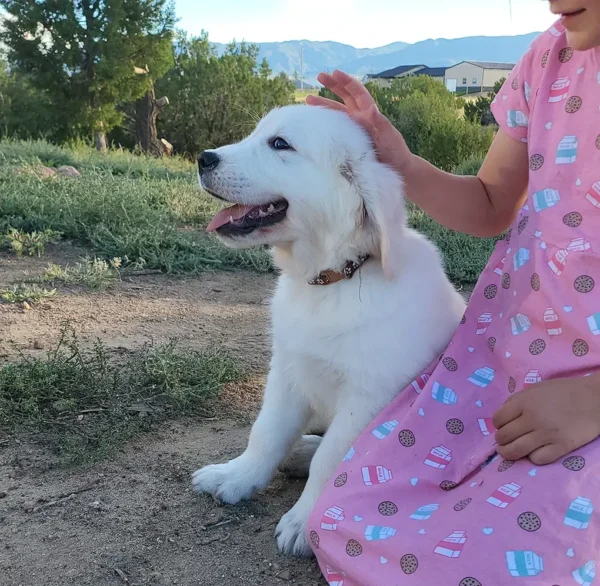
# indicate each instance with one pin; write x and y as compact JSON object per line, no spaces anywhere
{"x":475,"y":77}
{"x":385,"y":78}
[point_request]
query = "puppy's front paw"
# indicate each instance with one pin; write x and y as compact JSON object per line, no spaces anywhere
{"x":291,"y":532}
{"x":231,"y":482}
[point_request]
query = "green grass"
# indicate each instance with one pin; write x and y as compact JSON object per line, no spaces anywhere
{"x":86,"y":403}
{"x":90,"y":272}
{"x":151,"y":212}
{"x":25,"y":292}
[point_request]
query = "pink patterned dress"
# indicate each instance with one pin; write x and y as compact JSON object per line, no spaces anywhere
{"x":422,"y":497}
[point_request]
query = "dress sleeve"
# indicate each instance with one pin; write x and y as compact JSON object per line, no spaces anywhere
{"x":512,"y":105}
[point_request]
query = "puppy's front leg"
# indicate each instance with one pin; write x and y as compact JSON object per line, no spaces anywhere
{"x":285,"y":412}
{"x":344,"y":429}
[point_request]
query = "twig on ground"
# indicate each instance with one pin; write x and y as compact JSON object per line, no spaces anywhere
{"x":121,"y":574}
{"x":215,"y":539}
{"x":218,"y":524}
{"x":64,"y":497}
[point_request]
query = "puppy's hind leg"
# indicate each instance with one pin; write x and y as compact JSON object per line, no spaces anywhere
{"x":297,"y":464}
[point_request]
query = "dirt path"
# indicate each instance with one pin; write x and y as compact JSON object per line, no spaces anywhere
{"x":138,"y":521}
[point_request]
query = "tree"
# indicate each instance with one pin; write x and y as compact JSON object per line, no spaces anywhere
{"x":83,"y":55}
{"x":219,"y":98}
{"x":480,"y":111}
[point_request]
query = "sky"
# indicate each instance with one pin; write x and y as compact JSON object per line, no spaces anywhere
{"x":361,"y":23}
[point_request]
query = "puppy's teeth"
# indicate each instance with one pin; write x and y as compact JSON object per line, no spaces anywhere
{"x":271,"y":209}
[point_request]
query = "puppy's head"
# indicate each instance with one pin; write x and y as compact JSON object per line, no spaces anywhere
{"x":307,"y":176}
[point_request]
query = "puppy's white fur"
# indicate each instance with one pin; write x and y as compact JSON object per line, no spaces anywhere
{"x":341,"y":352}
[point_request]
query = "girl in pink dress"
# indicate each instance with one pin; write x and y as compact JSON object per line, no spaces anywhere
{"x":486,"y":470}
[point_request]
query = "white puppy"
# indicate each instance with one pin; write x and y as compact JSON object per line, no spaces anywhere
{"x":362,"y":304}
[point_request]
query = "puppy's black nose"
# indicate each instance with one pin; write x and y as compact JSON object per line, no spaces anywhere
{"x":207,"y":161}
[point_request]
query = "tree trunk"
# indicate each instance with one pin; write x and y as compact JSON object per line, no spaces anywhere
{"x":147,"y":109}
{"x":100,"y":140}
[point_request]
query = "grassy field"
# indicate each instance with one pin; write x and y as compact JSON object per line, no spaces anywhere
{"x":151,"y":213}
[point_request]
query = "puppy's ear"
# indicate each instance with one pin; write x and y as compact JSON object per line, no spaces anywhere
{"x":384,"y":202}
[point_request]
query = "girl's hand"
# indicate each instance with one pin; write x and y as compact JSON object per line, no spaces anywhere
{"x":549,"y":420}
{"x":389,"y":144}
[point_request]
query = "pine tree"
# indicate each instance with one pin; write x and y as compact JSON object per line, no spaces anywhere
{"x":84,"y":55}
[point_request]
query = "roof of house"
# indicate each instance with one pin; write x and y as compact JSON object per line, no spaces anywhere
{"x":396,"y":71}
{"x":432,"y":71}
{"x":488,"y":65}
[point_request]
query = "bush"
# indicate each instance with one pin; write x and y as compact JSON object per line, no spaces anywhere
{"x":427,"y":115}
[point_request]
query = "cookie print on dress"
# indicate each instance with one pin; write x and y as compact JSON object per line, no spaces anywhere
{"x":470,"y":582}
{"x":506,"y":281}
{"x":505,"y":495}
{"x":448,"y":485}
{"x":491,"y":344}
{"x":565,"y":55}
{"x":536,"y":162}
{"x":409,"y":563}
{"x":593,"y":195}
{"x":574,"y":463}
{"x":387,"y":509}
{"x":505,"y":464}
{"x":537,"y":347}
{"x":450,"y":364}
{"x":508,"y":236}
{"x":579,"y":513}
{"x":453,"y":545}
{"x":490,"y":291}
{"x":462,"y":505}
{"x":353,"y":548}
{"x":535,"y":282}
{"x":515,"y":83}
{"x":545,"y":57}
{"x":584,"y":284}
{"x":573,"y":104}
{"x":523,"y":564}
{"x":455,"y":426}
{"x":512,"y":385}
{"x":407,"y":438}
{"x":314,"y":539}
{"x":529,"y":522}
{"x":580,"y":348}
{"x":572,"y":219}
{"x":598,"y":142}
{"x":341,"y":480}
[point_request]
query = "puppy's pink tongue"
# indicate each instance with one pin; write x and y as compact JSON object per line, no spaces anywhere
{"x":225,"y":216}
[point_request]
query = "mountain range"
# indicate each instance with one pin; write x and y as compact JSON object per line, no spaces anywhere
{"x":326,"y":56}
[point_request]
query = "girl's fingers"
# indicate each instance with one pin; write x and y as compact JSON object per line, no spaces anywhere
{"x":337,"y":87}
{"x":546,"y":455}
{"x":326,"y":102}
{"x":512,"y":431}
{"x":508,"y":412}
{"x":521,"y":447}
{"x":357,"y":92}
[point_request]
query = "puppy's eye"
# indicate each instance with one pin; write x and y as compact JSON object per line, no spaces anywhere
{"x":279,"y":144}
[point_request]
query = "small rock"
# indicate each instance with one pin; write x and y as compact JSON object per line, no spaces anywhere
{"x":285,"y":575}
{"x":68,"y":171}
{"x":26,"y":305}
{"x":3,"y":494}
{"x":38,"y":345}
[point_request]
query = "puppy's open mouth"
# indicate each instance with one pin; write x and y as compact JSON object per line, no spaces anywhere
{"x":240,"y":220}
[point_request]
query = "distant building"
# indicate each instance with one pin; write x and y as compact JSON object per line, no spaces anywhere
{"x":385,"y":78}
{"x":475,"y":77}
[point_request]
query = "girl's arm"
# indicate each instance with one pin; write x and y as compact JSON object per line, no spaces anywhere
{"x":482,"y":206}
